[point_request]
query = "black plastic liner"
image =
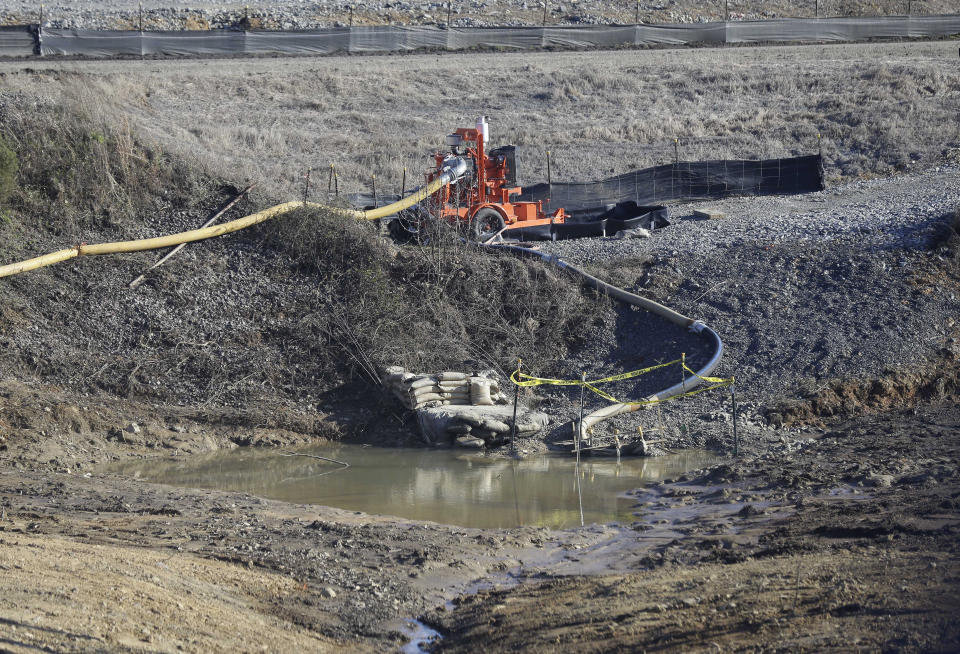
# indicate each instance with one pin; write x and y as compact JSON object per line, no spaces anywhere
{"x":594,"y":223}
{"x":700,"y":180}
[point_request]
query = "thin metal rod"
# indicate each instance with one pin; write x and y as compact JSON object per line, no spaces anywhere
{"x":449,"y":9}
{"x":330,"y":181}
{"x":583,"y":378}
{"x":545,"y":2}
{"x":136,"y":282}
{"x":403,"y":182}
{"x":733,"y":397}
{"x":374,"y":179}
{"x":315,"y":456}
{"x":637,"y":22}
{"x":516,"y":401}
{"x":306,"y":186}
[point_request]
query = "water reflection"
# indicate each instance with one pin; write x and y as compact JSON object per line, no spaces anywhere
{"x":445,"y":486}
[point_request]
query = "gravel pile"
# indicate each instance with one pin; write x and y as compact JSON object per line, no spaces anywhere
{"x":290,"y":14}
{"x":843,"y":282}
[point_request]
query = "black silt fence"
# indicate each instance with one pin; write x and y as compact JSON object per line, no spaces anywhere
{"x":694,"y":180}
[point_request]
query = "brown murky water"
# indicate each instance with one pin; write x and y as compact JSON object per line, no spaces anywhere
{"x":447,"y":486}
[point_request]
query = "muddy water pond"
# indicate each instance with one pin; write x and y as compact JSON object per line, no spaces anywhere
{"x":447,"y":486}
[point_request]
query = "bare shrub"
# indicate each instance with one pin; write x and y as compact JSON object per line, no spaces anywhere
{"x":8,"y":171}
{"x":430,"y":305}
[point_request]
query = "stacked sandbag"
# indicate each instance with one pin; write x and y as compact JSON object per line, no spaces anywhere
{"x":477,"y":430}
{"x":445,"y":388}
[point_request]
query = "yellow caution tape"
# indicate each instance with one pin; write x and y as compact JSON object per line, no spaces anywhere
{"x":714,"y":380}
{"x":520,"y":378}
{"x":530,"y":380}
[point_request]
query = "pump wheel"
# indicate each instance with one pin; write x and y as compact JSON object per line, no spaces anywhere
{"x":486,"y":222}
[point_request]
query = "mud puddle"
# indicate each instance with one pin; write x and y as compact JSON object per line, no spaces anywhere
{"x":447,"y":486}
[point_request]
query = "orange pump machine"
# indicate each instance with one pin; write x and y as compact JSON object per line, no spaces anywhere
{"x":482,"y":197}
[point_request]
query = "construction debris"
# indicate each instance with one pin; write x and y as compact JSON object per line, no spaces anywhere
{"x":708,"y":214}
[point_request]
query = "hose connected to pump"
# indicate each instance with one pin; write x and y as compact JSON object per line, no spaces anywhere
{"x":454,"y":169}
{"x":626,"y":297}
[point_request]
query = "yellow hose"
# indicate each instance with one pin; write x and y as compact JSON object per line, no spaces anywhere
{"x":216,"y":230}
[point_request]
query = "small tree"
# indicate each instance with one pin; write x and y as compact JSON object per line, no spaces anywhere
{"x":8,"y":171}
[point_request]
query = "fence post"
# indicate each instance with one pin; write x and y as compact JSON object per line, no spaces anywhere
{"x":516,"y":401}
{"x":583,"y":378}
{"x":306,"y":187}
{"x":726,"y":10}
{"x":403,"y":182}
{"x":449,"y":9}
{"x":683,"y":372}
{"x":545,"y":12}
{"x":733,"y":398}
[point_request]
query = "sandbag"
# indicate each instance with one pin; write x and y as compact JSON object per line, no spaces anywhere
{"x":480,"y":392}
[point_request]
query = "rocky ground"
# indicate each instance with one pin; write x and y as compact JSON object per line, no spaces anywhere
{"x":283,"y":14}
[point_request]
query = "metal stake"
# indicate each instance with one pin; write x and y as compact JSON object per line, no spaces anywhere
{"x":330,"y":181}
{"x":374,"y":178}
{"x":676,"y":151}
{"x":549,"y":181}
{"x":351,"y":15}
{"x":141,"y":17}
{"x":449,"y":9}
{"x":40,"y":20}
{"x":583,"y":378}
{"x":403,"y":183}
{"x":306,"y":187}
{"x":637,"y":22}
{"x":545,"y":12}
{"x":336,"y":184}
{"x":683,"y":372}
{"x":516,"y":400}
{"x":733,"y":397}
{"x":726,"y":9}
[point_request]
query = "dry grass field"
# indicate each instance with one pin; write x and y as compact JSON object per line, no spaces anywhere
{"x":880,"y":108}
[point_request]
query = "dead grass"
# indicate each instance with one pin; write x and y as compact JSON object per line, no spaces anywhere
{"x":880,"y":108}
